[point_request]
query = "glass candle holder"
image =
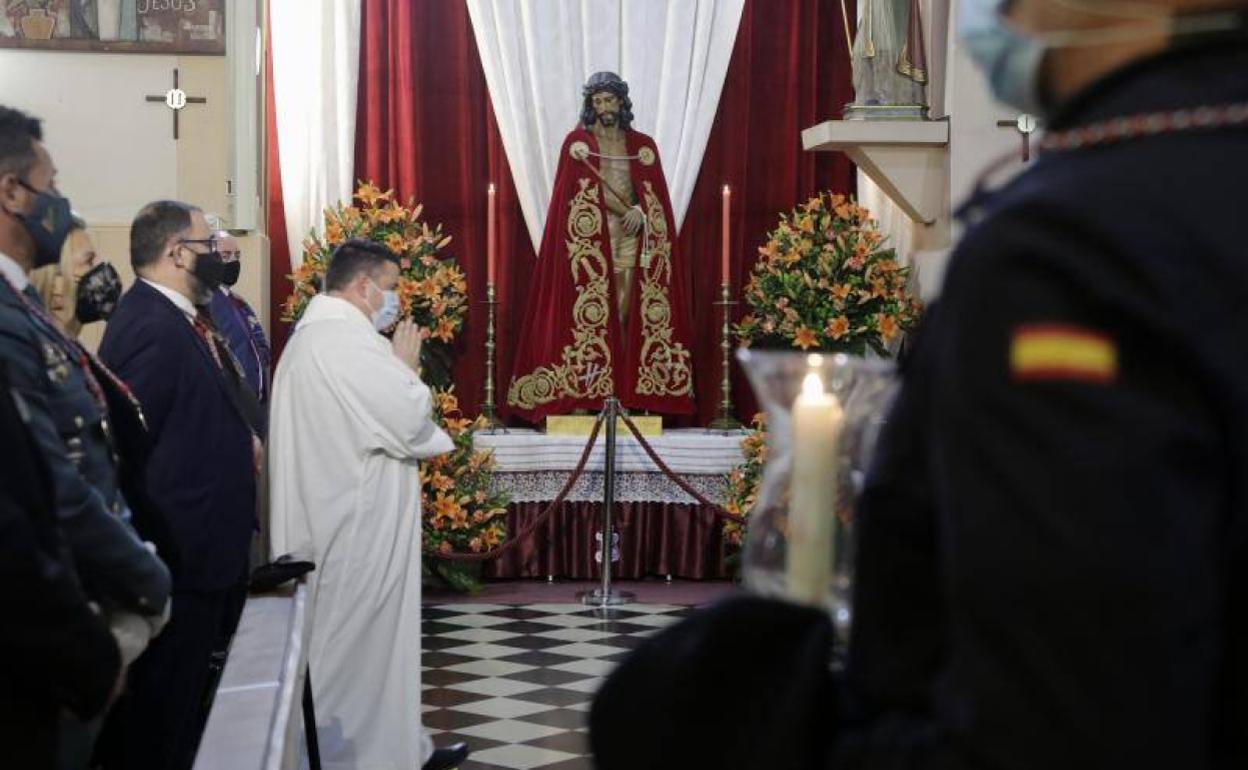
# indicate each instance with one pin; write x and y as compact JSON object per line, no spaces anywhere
{"x":824,"y":413}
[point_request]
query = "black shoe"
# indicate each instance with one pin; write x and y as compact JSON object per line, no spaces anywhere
{"x":446,"y":758}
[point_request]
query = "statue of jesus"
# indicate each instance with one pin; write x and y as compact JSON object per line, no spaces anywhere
{"x":608,"y":313}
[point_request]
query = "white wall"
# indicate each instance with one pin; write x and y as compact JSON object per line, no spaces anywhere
{"x":959,"y":92}
{"x":976,"y":139}
{"x":113,"y":150}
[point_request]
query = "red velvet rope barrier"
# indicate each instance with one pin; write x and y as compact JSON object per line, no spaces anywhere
{"x":677,"y":480}
{"x":541,"y":518}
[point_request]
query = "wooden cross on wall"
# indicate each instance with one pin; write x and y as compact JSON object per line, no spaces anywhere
{"x":175,"y":99}
{"x":1025,"y":125}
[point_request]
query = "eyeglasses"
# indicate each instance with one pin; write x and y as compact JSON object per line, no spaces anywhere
{"x":51,"y":187}
{"x":211,"y":243}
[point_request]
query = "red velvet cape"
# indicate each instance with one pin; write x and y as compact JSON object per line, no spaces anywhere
{"x":571,"y":353}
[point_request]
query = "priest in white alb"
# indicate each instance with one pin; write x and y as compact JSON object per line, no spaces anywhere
{"x":350,"y":417}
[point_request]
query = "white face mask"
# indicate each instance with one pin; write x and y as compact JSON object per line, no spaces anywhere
{"x":385,"y":316}
{"x":1011,"y":59}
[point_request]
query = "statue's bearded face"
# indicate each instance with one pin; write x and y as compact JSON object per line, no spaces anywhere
{"x":606,"y":107}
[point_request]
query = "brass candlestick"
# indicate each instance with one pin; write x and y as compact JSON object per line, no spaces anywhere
{"x":725,"y":420}
{"x":487,"y":407}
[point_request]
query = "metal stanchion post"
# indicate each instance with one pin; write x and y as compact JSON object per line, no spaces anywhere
{"x":492,"y":425}
{"x":605,"y":596}
{"x":725,"y":420}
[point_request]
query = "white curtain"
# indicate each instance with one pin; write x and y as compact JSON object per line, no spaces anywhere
{"x":316,"y":45}
{"x":538,"y":53}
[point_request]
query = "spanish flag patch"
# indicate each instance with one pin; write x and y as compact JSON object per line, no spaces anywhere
{"x":1062,"y":353}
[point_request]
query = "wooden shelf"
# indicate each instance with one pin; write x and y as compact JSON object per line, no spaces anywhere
{"x":908,"y":159}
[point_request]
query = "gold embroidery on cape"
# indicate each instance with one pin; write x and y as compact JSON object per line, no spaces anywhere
{"x":585,"y":369}
{"x":664,"y":366}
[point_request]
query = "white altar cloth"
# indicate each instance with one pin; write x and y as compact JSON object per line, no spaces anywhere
{"x":533,"y":467}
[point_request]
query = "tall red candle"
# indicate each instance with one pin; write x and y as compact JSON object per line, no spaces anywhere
{"x":491,"y":238}
{"x":723,"y":267}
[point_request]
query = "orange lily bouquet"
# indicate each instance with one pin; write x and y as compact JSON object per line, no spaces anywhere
{"x":825,"y":282}
{"x":462,"y":513}
{"x":742,"y":489}
{"x":432,"y":288}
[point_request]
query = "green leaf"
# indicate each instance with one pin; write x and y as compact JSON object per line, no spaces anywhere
{"x":464,"y":577}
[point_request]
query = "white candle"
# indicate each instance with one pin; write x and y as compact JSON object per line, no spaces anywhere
{"x":817,"y":421}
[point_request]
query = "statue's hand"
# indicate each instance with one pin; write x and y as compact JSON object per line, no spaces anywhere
{"x":633,"y":220}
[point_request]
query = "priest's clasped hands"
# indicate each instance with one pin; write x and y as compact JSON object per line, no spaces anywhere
{"x":406,"y":342}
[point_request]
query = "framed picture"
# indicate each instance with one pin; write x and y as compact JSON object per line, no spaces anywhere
{"x":115,"y":26}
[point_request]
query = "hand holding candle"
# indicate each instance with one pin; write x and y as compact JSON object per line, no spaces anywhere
{"x":817,"y":420}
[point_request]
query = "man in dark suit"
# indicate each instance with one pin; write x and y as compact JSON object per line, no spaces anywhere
{"x":204,"y":422}
{"x":238,"y":323}
{"x":244,"y":334}
{"x":75,"y":405}
{"x":56,"y":651}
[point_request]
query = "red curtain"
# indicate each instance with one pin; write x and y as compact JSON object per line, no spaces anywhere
{"x":280,"y":285}
{"x":426,"y":128}
{"x":789,"y":70}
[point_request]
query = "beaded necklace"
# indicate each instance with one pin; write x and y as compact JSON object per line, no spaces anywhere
{"x":1146,"y":124}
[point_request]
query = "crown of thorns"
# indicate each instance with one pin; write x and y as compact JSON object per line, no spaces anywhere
{"x":605,"y":81}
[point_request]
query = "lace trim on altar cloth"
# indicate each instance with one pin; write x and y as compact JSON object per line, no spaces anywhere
{"x":543,"y":486}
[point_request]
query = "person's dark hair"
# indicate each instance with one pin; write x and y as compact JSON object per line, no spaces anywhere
{"x":611,"y":83}
{"x":18,"y":134}
{"x":154,"y":226}
{"x":353,"y":257}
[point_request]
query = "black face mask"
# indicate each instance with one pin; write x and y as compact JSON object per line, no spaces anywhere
{"x":231,"y":272}
{"x":209,"y":269}
{"x":98,"y":293}
{"x":48,"y":224}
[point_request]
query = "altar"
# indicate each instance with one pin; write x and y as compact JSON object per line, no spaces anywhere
{"x":662,"y":529}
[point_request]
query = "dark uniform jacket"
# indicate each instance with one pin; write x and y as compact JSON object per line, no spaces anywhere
{"x":69,"y":421}
{"x":1053,"y":563}
{"x":201,"y":472}
{"x":55,"y":652}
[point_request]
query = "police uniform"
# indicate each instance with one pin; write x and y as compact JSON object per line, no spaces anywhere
{"x":70,"y":424}
{"x":1054,"y":543}
{"x":1052,"y":562}
{"x":56,"y":652}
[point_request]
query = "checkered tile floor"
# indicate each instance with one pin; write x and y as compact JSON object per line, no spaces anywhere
{"x":515,"y":682}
